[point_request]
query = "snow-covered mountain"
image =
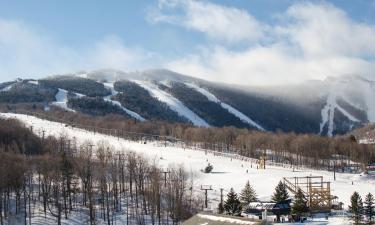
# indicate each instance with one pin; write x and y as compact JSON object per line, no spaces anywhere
{"x":329,"y":107}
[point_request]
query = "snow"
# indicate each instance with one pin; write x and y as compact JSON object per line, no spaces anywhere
{"x":328,"y":114}
{"x":321,"y":220}
{"x":79,"y":95}
{"x":166,"y":83}
{"x":7,"y":88}
{"x":230,"y":109}
{"x":347,"y":114}
{"x":33,"y":82}
{"x":173,"y":103}
{"x":62,"y":100}
{"x":225,"y":219}
{"x":230,"y":171}
{"x":369,"y":93}
{"x":117,"y":103}
{"x":367,"y":141}
{"x":82,"y":75}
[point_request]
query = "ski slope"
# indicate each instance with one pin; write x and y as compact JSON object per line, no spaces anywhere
{"x":229,"y":171}
{"x":328,"y":114}
{"x":7,"y":88}
{"x":117,"y":103}
{"x":230,"y":109}
{"x":35,"y":82}
{"x":172,"y":102}
{"x":62,"y":100}
{"x":369,"y":93}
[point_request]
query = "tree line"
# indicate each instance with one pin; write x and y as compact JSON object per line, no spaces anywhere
{"x":288,"y":148}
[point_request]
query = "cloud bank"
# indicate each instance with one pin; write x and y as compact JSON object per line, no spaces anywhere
{"x":30,"y":53}
{"x":308,"y":41}
{"x":217,"y":22}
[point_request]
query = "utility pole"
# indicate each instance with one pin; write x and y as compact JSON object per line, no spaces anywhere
{"x":44,"y":132}
{"x":165,"y":177}
{"x":206,"y":188}
{"x":221,"y":196}
{"x":334,"y":170}
{"x":61,"y":144}
{"x":91,"y":146}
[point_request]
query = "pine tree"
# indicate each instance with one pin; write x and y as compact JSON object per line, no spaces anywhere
{"x":356,"y":207}
{"x":232,"y":205}
{"x":208,"y":168}
{"x":369,"y":208}
{"x":300,"y":204}
{"x":281,"y":193}
{"x":248,"y":195}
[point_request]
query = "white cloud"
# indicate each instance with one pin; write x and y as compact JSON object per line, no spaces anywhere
{"x":309,"y":41}
{"x":322,"y":29}
{"x":217,"y":22}
{"x":28,"y":52}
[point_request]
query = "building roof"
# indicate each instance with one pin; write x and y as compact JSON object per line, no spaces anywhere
{"x":215,"y":219}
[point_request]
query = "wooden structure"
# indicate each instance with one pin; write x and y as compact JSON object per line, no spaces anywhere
{"x":317,"y":191}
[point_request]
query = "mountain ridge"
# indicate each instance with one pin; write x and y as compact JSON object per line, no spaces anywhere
{"x":333,"y":106}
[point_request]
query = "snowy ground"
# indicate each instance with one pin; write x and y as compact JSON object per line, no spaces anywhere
{"x":62,"y":100}
{"x":328,"y":113}
{"x":228,"y":172}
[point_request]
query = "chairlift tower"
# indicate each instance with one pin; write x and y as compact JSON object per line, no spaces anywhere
{"x":206,"y":188}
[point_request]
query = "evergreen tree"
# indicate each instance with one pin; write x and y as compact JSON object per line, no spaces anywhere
{"x":208,"y":168}
{"x":232,"y":205}
{"x":369,"y":208}
{"x":281,"y":193}
{"x":300,"y":204}
{"x":248,"y":195}
{"x":356,"y":207}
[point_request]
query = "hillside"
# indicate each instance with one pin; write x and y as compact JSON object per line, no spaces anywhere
{"x":329,"y":107}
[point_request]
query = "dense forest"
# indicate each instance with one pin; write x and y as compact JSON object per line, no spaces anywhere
{"x":24,"y":92}
{"x":279,"y":113}
{"x":95,"y":106}
{"x":79,"y":85}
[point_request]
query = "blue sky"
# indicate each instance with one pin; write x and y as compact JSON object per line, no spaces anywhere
{"x":41,"y":37}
